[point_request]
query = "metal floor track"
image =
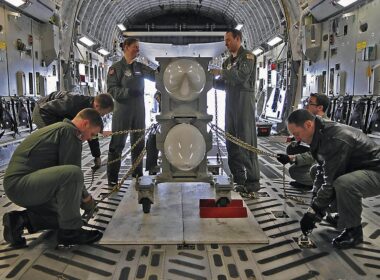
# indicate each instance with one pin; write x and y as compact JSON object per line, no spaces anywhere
{"x":281,"y":259}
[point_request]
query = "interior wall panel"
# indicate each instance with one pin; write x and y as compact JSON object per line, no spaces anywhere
{"x":344,"y":59}
{"x":19,"y":28}
{"x":367,"y":14}
{"x":3,"y":54}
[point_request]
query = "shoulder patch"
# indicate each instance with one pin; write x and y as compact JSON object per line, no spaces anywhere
{"x":250,"y":56}
{"x":111,"y":71}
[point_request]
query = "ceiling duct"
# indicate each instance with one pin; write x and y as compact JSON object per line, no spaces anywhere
{"x":50,"y":46}
{"x":312,"y":40}
{"x":41,"y":10}
{"x":322,"y":9}
{"x":178,"y":27}
{"x":177,"y":37}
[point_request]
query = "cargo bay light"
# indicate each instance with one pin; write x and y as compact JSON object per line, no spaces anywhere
{"x":183,"y":138}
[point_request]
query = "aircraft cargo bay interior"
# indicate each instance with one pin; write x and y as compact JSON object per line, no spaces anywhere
{"x":189,"y":139}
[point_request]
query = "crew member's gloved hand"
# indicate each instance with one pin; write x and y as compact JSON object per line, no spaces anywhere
{"x":89,"y":206}
{"x":307,"y":223}
{"x":309,"y":219}
{"x":283,"y":158}
{"x":97,"y":163}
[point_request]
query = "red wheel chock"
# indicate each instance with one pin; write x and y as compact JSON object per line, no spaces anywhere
{"x":209,"y":209}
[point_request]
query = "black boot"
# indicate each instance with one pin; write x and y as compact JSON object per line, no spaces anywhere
{"x":112,"y":183}
{"x":300,"y":186}
{"x":252,"y":186}
{"x":240,"y":189}
{"x":349,"y":237}
{"x":14,"y":223}
{"x":137,"y":174}
{"x":80,"y":236}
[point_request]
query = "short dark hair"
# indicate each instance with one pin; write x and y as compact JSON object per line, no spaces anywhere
{"x":92,"y":116}
{"x":300,"y":116}
{"x":129,"y":41}
{"x":104,"y":100}
{"x":322,"y":100}
{"x":235,"y":33}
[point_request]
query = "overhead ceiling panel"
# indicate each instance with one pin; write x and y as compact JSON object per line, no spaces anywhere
{"x":151,"y":51}
{"x":260,"y":19}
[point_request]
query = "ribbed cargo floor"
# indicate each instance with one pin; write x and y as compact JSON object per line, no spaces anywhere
{"x":282,"y":258}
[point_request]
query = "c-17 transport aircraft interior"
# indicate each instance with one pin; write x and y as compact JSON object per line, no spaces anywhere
{"x":189,"y":139}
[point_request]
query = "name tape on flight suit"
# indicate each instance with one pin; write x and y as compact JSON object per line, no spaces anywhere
{"x":249,"y":56}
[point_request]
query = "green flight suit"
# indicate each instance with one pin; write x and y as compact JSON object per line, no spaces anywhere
{"x":44,"y":175}
{"x":125,"y":82}
{"x":60,"y":105}
{"x":240,"y":119}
